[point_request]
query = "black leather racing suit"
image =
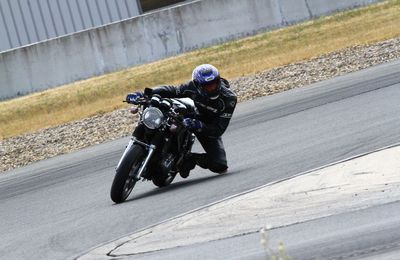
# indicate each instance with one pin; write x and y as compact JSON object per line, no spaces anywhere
{"x":215,"y":114}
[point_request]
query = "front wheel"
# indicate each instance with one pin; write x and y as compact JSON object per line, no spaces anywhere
{"x":124,"y":181}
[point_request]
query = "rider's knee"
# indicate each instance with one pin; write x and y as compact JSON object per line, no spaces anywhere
{"x":218,"y":167}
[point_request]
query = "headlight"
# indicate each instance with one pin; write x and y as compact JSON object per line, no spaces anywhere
{"x":152,"y":117}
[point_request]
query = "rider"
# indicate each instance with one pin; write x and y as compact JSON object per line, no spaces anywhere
{"x":215,"y":102}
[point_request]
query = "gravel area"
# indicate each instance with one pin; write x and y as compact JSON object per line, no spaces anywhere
{"x":25,"y":149}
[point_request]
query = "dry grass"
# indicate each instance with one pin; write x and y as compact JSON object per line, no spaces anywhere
{"x":244,"y":57}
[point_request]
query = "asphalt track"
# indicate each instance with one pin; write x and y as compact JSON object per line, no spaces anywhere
{"x":60,"y":208}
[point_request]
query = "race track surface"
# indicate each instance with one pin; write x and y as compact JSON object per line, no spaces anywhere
{"x":60,"y":208}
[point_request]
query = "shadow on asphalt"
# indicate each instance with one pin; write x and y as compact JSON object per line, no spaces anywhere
{"x":180,"y":184}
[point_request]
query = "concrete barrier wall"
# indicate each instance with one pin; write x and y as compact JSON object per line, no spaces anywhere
{"x":150,"y":37}
{"x":24,"y":22}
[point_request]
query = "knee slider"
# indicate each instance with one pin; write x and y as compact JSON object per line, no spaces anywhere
{"x":218,"y":167}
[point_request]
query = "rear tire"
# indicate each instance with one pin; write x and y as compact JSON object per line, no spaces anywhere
{"x":123,"y":183}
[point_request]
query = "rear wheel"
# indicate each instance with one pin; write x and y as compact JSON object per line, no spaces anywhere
{"x":124,"y":181}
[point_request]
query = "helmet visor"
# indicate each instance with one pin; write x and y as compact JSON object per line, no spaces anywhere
{"x":210,"y":87}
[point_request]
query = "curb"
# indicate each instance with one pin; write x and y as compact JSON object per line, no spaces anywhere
{"x":109,"y":249}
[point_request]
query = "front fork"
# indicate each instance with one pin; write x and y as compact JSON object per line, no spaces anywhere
{"x":151,"y":148}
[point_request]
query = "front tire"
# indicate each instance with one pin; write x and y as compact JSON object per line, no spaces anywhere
{"x":124,"y":181}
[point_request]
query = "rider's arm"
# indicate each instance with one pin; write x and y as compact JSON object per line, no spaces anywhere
{"x":221,"y":122}
{"x":181,"y":91}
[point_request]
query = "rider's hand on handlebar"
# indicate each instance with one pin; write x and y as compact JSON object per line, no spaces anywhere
{"x":133,"y":97}
{"x":193,"y":124}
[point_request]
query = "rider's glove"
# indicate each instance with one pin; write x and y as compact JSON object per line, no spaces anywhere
{"x":193,"y":124}
{"x":133,"y":97}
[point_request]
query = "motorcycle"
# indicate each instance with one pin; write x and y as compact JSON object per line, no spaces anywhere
{"x":159,"y":146}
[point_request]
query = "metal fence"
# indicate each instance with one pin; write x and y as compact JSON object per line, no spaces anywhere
{"x":24,"y":22}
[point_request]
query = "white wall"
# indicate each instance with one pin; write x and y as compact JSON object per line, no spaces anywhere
{"x":150,"y":37}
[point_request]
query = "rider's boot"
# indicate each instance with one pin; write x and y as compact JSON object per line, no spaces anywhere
{"x":187,"y":166}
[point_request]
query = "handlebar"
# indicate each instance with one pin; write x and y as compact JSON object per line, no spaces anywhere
{"x":140,"y":101}
{"x":172,"y":111}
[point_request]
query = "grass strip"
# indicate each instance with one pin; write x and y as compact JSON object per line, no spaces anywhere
{"x":248,"y":56}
